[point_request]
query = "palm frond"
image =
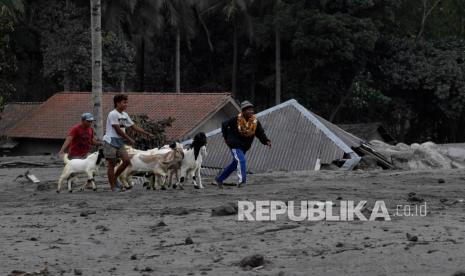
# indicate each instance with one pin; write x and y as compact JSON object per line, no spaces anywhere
{"x":13,"y":8}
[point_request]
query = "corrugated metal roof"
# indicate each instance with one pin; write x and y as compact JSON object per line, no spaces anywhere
{"x":363,"y":130}
{"x":348,"y":138}
{"x":298,"y":137}
{"x":369,"y":131}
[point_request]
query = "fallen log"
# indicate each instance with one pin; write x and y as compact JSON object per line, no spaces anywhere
{"x":17,"y":163}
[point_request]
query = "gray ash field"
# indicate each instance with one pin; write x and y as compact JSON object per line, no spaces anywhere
{"x":173,"y":232}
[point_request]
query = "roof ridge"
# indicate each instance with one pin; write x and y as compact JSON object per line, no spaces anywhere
{"x":331,"y":135}
{"x":315,"y":119}
{"x":217,"y":107}
{"x":23,"y":103}
{"x":258,"y":115}
{"x":276,"y":107}
{"x":307,"y":113}
{"x":368,"y":123}
{"x":148,"y":92}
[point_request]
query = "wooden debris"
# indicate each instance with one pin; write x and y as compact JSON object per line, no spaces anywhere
{"x":19,"y":163}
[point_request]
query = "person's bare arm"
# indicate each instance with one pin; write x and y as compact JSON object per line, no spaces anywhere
{"x":123,"y":134}
{"x":65,"y":144}
{"x":140,"y":130}
{"x":96,"y":142}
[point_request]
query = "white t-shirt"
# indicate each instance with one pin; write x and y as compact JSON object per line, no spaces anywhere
{"x":116,"y":118}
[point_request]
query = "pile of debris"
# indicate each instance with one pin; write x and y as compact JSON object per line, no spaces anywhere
{"x":155,"y":127}
{"x":49,"y":161}
{"x":421,"y":156}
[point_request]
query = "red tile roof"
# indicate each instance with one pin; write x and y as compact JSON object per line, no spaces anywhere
{"x":61,"y":111}
{"x":14,"y":112}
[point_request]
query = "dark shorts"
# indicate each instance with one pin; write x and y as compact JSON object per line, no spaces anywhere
{"x":113,"y":153}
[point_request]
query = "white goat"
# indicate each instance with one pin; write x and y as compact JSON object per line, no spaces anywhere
{"x":127,"y":181}
{"x":191,"y":165}
{"x":126,"y":177}
{"x":192,"y":162}
{"x":89,"y":166}
{"x":153,"y":161}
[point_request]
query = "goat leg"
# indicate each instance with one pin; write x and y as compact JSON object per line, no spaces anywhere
{"x":70,"y":183}
{"x":60,"y":181}
{"x":197,"y":175}
{"x":151,"y":182}
{"x":90,"y":179}
{"x":94,"y":187}
{"x":163,"y":180}
{"x":194,"y":180}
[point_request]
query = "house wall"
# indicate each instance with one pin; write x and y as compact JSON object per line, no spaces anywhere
{"x":215,"y":121}
{"x":36,"y":147}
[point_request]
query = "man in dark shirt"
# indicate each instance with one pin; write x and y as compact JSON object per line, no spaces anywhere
{"x":80,"y":138}
{"x":239,"y":133}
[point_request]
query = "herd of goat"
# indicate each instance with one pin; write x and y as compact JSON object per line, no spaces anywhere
{"x":159,"y":164}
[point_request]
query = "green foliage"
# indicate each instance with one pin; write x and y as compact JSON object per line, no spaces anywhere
{"x":333,"y":49}
{"x":155,"y":127}
{"x":65,"y":43}
{"x":366,"y":97}
{"x":446,"y":19}
{"x":348,"y":60}
{"x":118,"y":61}
{"x":7,"y":60}
{"x":331,"y":39}
{"x":430,"y":79}
{"x":11,"y":8}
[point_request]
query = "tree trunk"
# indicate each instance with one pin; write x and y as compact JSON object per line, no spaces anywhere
{"x":66,"y":81}
{"x":122,"y":84}
{"x":234,"y":65}
{"x":142,"y":65}
{"x":122,"y":79}
{"x":462,"y":26}
{"x":423,"y":21}
{"x":342,"y":101}
{"x":426,"y":13}
{"x":278,"y":63}
{"x":207,"y":32}
{"x":96,"y":33}
{"x":252,"y":86}
{"x":178,"y":61}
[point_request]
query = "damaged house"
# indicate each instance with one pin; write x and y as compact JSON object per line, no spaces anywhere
{"x":12,"y":114}
{"x":370,"y":132}
{"x":301,"y":140}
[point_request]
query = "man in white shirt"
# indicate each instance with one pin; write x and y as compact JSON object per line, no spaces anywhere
{"x":115,"y":138}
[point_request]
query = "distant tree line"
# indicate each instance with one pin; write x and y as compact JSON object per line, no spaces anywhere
{"x":401,"y":62}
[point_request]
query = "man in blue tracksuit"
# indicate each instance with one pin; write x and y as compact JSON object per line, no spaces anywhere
{"x":239,"y":133}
